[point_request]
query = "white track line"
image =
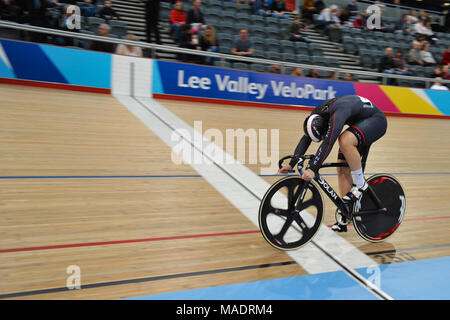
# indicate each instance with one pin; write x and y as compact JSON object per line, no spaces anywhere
{"x":244,"y":189}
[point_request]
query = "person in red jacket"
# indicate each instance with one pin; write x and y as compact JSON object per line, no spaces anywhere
{"x":446,"y":57}
{"x":177,"y":19}
{"x":359,"y":22}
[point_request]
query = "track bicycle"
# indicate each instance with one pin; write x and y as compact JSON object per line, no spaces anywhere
{"x":291,"y":210}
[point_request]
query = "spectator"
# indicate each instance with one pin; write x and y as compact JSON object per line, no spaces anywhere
{"x":314,"y":73}
{"x":359,"y":22}
{"x":128,"y":50}
{"x":177,"y":19}
{"x":187,"y":41}
{"x":9,"y":10}
{"x":348,"y":77}
{"x":295,"y":31}
{"x":297,"y":72}
{"x":308,"y":9}
{"x":152,"y":17}
{"x":387,"y":64}
{"x":195,"y":16}
{"x":88,"y":9}
{"x":328,"y":17}
{"x":438,"y":86}
{"x":108,"y":13}
{"x":260,"y":7}
{"x":103,"y":30}
{"x":344,"y":16}
{"x":276,"y":69}
{"x":420,"y":28}
{"x":412,"y":16}
{"x":39,"y":16}
{"x":437,"y":72}
{"x":445,"y":73}
{"x":403,"y":26}
{"x":208,"y":42}
{"x":426,"y":56}
{"x":446,"y":56}
{"x":414,"y":56}
{"x":423,"y":15}
{"x":242,"y":46}
{"x":278,"y":9}
{"x":352,"y":9}
{"x":400,"y":64}
{"x":332,"y":75}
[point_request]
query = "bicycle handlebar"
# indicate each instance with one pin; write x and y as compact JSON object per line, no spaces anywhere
{"x":309,"y":157}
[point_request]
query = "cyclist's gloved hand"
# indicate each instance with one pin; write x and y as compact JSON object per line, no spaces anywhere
{"x":308,"y":175}
{"x":285,"y":169}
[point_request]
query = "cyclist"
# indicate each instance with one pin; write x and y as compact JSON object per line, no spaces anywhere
{"x":367,"y":123}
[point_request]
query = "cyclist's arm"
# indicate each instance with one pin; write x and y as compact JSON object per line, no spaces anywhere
{"x":335,"y":125}
{"x":300,"y":150}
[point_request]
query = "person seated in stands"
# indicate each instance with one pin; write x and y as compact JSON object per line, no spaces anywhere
{"x":438,"y":86}
{"x":187,"y":41}
{"x":278,"y":9}
{"x":108,"y":13}
{"x":403,"y":26}
{"x":412,"y":16}
{"x":297,"y":72}
{"x":128,"y":50}
{"x":359,"y":22}
{"x":314,"y":73}
{"x":276,"y":69}
{"x":208,"y":42}
{"x":242,"y":45}
{"x":445,"y":72}
{"x":195,"y":16}
{"x":426,"y":56}
{"x":177,"y":19}
{"x":308,"y":9}
{"x":344,"y":16}
{"x":9,"y":10}
{"x":296,"y":32}
{"x":352,"y":8}
{"x":414,"y":56}
{"x":328,"y":17}
{"x":420,"y":28}
{"x":387,"y":64}
{"x":422,"y":15}
{"x":348,"y":77}
{"x":446,"y":56}
{"x":332,"y":75}
{"x":400,"y":64}
{"x":88,"y":9}
{"x":103,"y":30}
{"x":260,"y":7}
{"x":437,"y":72}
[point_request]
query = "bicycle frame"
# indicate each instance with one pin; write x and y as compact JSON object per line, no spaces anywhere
{"x":329,"y":191}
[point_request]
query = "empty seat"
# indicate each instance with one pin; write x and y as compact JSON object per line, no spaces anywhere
{"x":287,"y":46}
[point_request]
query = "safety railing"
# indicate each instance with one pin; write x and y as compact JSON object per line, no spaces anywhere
{"x":220,"y":56}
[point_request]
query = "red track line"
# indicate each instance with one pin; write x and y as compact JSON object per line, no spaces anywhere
{"x":90,"y":244}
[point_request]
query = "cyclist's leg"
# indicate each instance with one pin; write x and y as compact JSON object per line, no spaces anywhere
{"x":364,"y":133}
{"x":345,"y":179}
{"x":348,"y":143}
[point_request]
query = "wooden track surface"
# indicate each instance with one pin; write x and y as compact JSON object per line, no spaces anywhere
{"x":165,"y":227}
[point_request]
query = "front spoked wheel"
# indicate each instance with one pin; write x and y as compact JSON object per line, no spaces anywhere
{"x":286,"y":222}
{"x":379,"y":226}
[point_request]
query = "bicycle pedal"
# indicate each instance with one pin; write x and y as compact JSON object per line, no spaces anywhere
{"x":341,"y":219}
{"x":338,"y":227}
